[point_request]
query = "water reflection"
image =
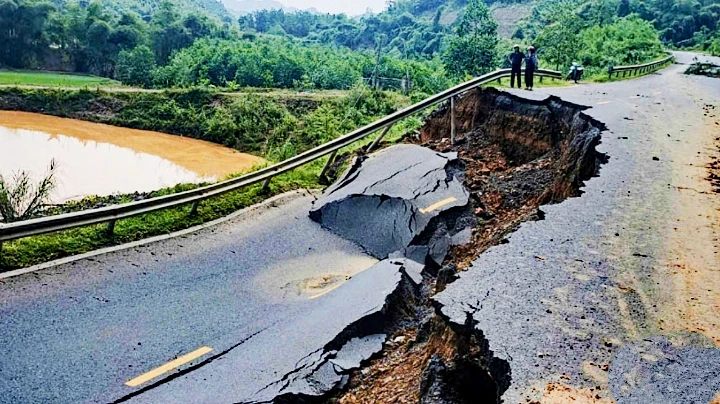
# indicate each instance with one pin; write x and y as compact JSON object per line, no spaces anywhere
{"x":95,"y":159}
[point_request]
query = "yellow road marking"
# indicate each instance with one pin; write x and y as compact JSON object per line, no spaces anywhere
{"x":603,"y":102}
{"x":145,"y":377}
{"x":438,"y":205}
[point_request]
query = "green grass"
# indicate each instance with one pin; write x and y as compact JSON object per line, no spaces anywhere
{"x":546,"y":82}
{"x":52,"y":79}
{"x":34,"y":250}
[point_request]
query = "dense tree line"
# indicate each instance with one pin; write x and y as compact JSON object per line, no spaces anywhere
{"x":170,"y":49}
{"x":396,"y":30}
{"x":160,"y":45}
{"x":37,"y":34}
{"x":284,"y":63}
{"x":679,"y":23}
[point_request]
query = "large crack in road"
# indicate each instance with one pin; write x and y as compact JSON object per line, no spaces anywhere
{"x":487,"y":290}
{"x":469,"y":196}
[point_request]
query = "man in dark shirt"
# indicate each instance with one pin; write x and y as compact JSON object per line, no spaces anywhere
{"x":516,"y":60}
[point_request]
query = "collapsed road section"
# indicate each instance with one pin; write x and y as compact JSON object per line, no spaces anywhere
{"x":431,"y":208}
{"x":422,"y":210}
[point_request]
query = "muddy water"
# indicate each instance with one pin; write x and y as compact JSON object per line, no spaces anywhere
{"x":96,"y":159}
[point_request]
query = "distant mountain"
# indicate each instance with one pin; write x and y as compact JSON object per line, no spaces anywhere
{"x":249,"y":6}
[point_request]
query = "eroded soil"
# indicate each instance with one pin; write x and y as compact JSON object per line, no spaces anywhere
{"x":523,"y":155}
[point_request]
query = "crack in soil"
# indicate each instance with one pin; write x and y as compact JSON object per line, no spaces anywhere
{"x":518,"y":155}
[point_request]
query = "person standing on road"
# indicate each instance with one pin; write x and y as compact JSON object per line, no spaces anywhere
{"x":531,"y":64}
{"x":516,"y":59}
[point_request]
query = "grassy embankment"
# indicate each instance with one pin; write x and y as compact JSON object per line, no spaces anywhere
{"x":53,"y":79}
{"x":273,"y":127}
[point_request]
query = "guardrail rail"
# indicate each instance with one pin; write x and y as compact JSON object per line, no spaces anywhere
{"x":639,"y":69}
{"x":110,"y":214}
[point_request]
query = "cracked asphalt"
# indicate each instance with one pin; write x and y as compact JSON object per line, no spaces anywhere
{"x":610,"y":296}
{"x":582,"y":303}
{"x":266,"y":305}
{"x":76,"y":333}
{"x":385,"y":203}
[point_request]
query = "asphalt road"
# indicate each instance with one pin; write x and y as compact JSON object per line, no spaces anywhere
{"x":615,"y":294}
{"x":594,"y":298}
{"x":261,"y":306}
{"x":77,"y":333}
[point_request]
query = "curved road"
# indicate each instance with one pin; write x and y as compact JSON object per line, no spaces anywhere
{"x":78,"y":332}
{"x":252,"y":300}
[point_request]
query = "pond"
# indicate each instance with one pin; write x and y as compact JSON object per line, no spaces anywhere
{"x":97,"y":159}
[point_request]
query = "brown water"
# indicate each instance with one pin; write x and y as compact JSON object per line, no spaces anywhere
{"x":97,"y":159}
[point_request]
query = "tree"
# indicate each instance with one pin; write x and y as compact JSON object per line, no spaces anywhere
{"x":22,"y":31}
{"x":472,"y":49}
{"x":135,"y":67}
{"x":101,"y":52}
{"x":623,"y":8}
{"x":559,"y":41}
{"x":627,"y":41}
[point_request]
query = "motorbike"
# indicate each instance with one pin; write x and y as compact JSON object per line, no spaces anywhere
{"x":575,"y":73}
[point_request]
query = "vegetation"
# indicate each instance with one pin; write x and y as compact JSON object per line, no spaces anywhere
{"x":34,"y":250}
{"x":49,"y":79}
{"x":20,"y":198}
{"x":596,"y":34}
{"x":685,"y":23}
{"x":88,"y":38}
{"x":256,"y":123}
{"x":472,"y":50}
{"x":165,"y":48}
{"x":194,"y":43}
{"x":283,"y":63}
{"x":276,"y":127}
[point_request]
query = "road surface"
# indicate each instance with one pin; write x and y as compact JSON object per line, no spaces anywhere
{"x":583,"y":303}
{"x":78,"y":332}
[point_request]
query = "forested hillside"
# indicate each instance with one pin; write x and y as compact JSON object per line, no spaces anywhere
{"x":423,"y":45}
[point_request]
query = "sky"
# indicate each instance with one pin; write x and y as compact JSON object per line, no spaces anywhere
{"x":349,"y":7}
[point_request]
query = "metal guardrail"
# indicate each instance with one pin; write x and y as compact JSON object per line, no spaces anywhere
{"x":110,"y":214}
{"x":639,"y":69}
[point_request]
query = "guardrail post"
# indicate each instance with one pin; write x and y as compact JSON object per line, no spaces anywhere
{"x":379,"y":138}
{"x":110,"y":229}
{"x":194,"y":208}
{"x":452,"y":120}
{"x":327,"y":165}
{"x":265,"y":186}
{"x":540,"y":78}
